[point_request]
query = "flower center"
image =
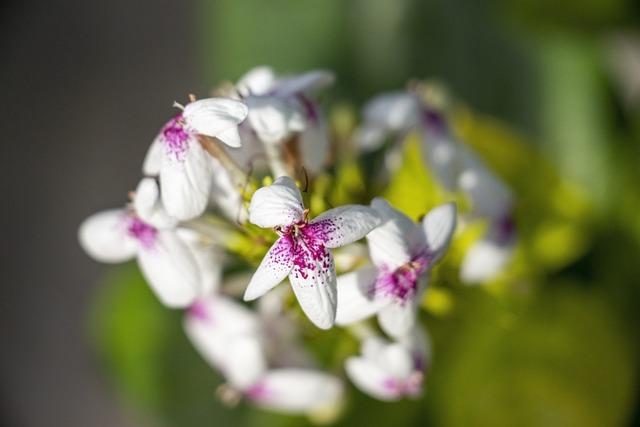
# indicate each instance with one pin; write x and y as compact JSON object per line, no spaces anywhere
{"x":294,"y":229}
{"x":402,"y":283}
{"x":141,"y":231}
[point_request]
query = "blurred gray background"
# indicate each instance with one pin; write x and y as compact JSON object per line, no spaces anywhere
{"x":85,"y":87}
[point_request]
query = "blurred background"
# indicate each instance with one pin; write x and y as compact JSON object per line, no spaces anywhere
{"x":86,"y":86}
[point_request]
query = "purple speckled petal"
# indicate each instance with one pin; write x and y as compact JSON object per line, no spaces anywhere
{"x":313,"y":279}
{"x":343,"y":225}
{"x":275,"y":266}
{"x":278,"y":204}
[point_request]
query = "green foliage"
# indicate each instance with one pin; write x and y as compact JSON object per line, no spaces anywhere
{"x":560,"y":360}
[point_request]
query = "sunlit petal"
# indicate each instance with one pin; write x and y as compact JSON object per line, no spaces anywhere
{"x":212,"y":116}
{"x":104,"y":236}
{"x":313,"y":279}
{"x":439,"y":225}
{"x":343,"y":225}
{"x":277,"y":204}
{"x":275,"y":266}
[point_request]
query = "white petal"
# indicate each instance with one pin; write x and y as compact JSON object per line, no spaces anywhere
{"x":151,"y":164}
{"x":207,"y":255}
{"x":170,"y":270}
{"x":212,"y":116}
{"x":186,"y":182}
{"x":439,"y":225}
{"x":489,"y":195}
{"x":257,"y":81}
{"x":231,"y":137}
{"x":290,"y":86}
{"x":277,"y":204}
{"x":396,"y":240}
{"x":226,"y":196}
{"x":314,"y":142}
{"x":343,"y":225}
{"x":396,"y":360}
{"x":484,"y":260}
{"x":313,"y":279}
{"x":398,"y":317}
{"x":244,"y":361}
{"x":104,"y":236}
{"x":148,"y":206}
{"x":441,"y":154}
{"x":269,"y":117}
{"x":227,"y":335}
{"x":275,"y":266}
{"x":394,"y":111}
{"x":296,"y":391}
{"x":370,"y":137}
{"x":371,"y":379}
{"x":418,"y":341}
{"x":354,"y":300}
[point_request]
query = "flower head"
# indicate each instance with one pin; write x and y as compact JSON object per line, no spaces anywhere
{"x":403,"y":253}
{"x":302,"y":250}
{"x":388,"y":371}
{"x":176,"y":155}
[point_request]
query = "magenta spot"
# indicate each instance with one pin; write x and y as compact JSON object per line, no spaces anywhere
{"x":175,"y":139}
{"x":402,"y":283}
{"x":145,"y":234}
{"x":259,"y":392}
{"x":198,"y":310}
{"x":410,"y":386}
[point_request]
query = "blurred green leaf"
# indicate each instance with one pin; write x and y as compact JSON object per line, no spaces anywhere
{"x":562,"y":361}
{"x":148,"y":358}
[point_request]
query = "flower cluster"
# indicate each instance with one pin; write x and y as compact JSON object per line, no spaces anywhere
{"x":204,"y":181}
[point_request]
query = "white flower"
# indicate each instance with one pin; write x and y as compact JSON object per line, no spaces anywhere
{"x":166,"y":262}
{"x":184,"y":167}
{"x":388,"y":371}
{"x":403,"y":253}
{"x":490,"y":254}
{"x":302,"y":251}
{"x":280,"y":108}
{"x":231,"y":338}
{"x":296,"y":391}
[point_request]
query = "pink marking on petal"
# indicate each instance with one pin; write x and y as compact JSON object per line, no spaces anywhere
{"x":198,"y":310}
{"x":402,"y":283}
{"x":410,"y":386}
{"x":310,"y":258}
{"x":259,"y":392}
{"x":144,"y":233}
{"x":175,"y":139}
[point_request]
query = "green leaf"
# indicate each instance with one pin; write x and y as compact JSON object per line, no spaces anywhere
{"x":562,"y":361}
